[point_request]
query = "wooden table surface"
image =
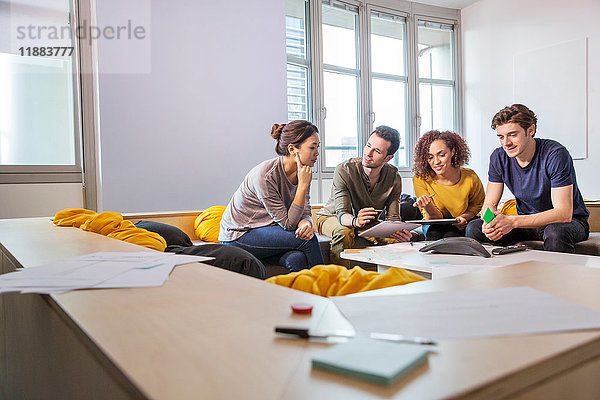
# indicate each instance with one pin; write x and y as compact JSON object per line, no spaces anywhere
{"x":208,"y":333}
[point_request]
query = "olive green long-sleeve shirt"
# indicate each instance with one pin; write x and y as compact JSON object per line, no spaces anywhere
{"x":351,"y":191}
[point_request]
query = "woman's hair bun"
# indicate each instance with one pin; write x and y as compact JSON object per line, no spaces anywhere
{"x":276,"y":131}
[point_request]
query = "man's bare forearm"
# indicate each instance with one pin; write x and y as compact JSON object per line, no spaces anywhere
{"x":543,"y":218}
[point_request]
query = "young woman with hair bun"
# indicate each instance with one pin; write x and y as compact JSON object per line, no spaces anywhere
{"x":269,"y":215}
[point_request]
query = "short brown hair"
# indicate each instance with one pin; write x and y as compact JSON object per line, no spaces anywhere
{"x":517,"y":113}
{"x":294,"y":132}
{"x":454,"y":142}
{"x":391,"y":135}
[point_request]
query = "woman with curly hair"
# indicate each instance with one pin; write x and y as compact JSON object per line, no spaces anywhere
{"x":444,"y":188}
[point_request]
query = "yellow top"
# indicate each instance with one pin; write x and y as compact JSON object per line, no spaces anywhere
{"x":452,"y":201}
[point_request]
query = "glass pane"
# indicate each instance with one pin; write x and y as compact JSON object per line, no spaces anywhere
{"x":436,"y":51}
{"x":297,"y":92}
{"x":36,"y":91}
{"x":387,"y":44}
{"x":389,"y":106}
{"x":341,"y":122}
{"x":339,"y":36}
{"x":295,"y":28}
{"x":436,"y":107}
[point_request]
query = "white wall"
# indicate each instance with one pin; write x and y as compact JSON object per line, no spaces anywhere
{"x":493,"y":32}
{"x":184,"y":135}
{"x":38,"y":200}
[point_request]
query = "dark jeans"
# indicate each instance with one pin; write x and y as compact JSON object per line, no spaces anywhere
{"x":560,"y":237}
{"x":226,"y":257}
{"x":275,"y":244}
{"x":437,"y":232}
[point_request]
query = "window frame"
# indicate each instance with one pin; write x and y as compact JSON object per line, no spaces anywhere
{"x":85,"y":120}
{"x":369,"y":126}
{"x":305,"y":63}
{"x":456,"y":69}
{"x":323,"y":170}
{"x":412,"y":12}
{"x":27,"y":173}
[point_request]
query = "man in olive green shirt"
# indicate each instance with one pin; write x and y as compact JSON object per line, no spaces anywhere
{"x":362,"y":187}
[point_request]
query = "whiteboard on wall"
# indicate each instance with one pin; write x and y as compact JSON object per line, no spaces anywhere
{"x":552,"y":81}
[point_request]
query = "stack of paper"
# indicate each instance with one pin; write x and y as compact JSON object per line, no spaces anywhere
{"x":97,"y":270}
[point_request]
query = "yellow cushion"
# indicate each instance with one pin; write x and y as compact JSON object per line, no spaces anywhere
{"x":109,"y":224}
{"x":509,"y":207}
{"x":128,"y":232}
{"x":335,"y":280}
{"x":73,"y":217}
{"x":207,"y":224}
{"x":103,"y":223}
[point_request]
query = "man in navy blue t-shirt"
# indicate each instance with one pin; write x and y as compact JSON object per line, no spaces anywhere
{"x":541,"y":175}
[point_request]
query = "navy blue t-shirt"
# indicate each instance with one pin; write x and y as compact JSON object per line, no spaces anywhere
{"x":550,"y":167}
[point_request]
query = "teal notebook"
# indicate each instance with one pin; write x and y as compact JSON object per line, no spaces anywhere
{"x":377,"y":361}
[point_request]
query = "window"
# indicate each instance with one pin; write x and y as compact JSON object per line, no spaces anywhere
{"x":436,"y":76}
{"x":39,"y":123}
{"x":375,"y":65}
{"x":298,"y":60}
{"x":340,"y":82}
{"x":389,"y":80}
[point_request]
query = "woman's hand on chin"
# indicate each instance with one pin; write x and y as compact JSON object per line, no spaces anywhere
{"x":304,"y":173}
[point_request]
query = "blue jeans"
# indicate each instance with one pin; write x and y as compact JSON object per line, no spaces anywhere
{"x":276,"y":244}
{"x":559,"y":237}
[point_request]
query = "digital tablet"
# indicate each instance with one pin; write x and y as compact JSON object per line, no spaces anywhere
{"x":442,"y":221}
{"x":386,"y":228}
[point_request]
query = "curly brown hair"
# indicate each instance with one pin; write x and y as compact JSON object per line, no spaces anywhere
{"x":454,"y":142}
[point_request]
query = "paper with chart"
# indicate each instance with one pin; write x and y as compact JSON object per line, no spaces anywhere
{"x":96,"y":270}
{"x":461,"y":314}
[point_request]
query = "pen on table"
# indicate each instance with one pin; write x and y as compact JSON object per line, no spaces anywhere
{"x":305,"y":333}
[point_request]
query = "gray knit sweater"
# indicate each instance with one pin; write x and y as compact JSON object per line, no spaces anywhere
{"x":264,"y":198}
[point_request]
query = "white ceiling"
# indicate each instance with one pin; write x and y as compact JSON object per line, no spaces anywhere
{"x":448,"y":3}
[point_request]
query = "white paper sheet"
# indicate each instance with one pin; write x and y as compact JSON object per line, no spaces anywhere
{"x":97,"y":270}
{"x":467,"y":313}
{"x":382,"y":254}
{"x":139,"y":277}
